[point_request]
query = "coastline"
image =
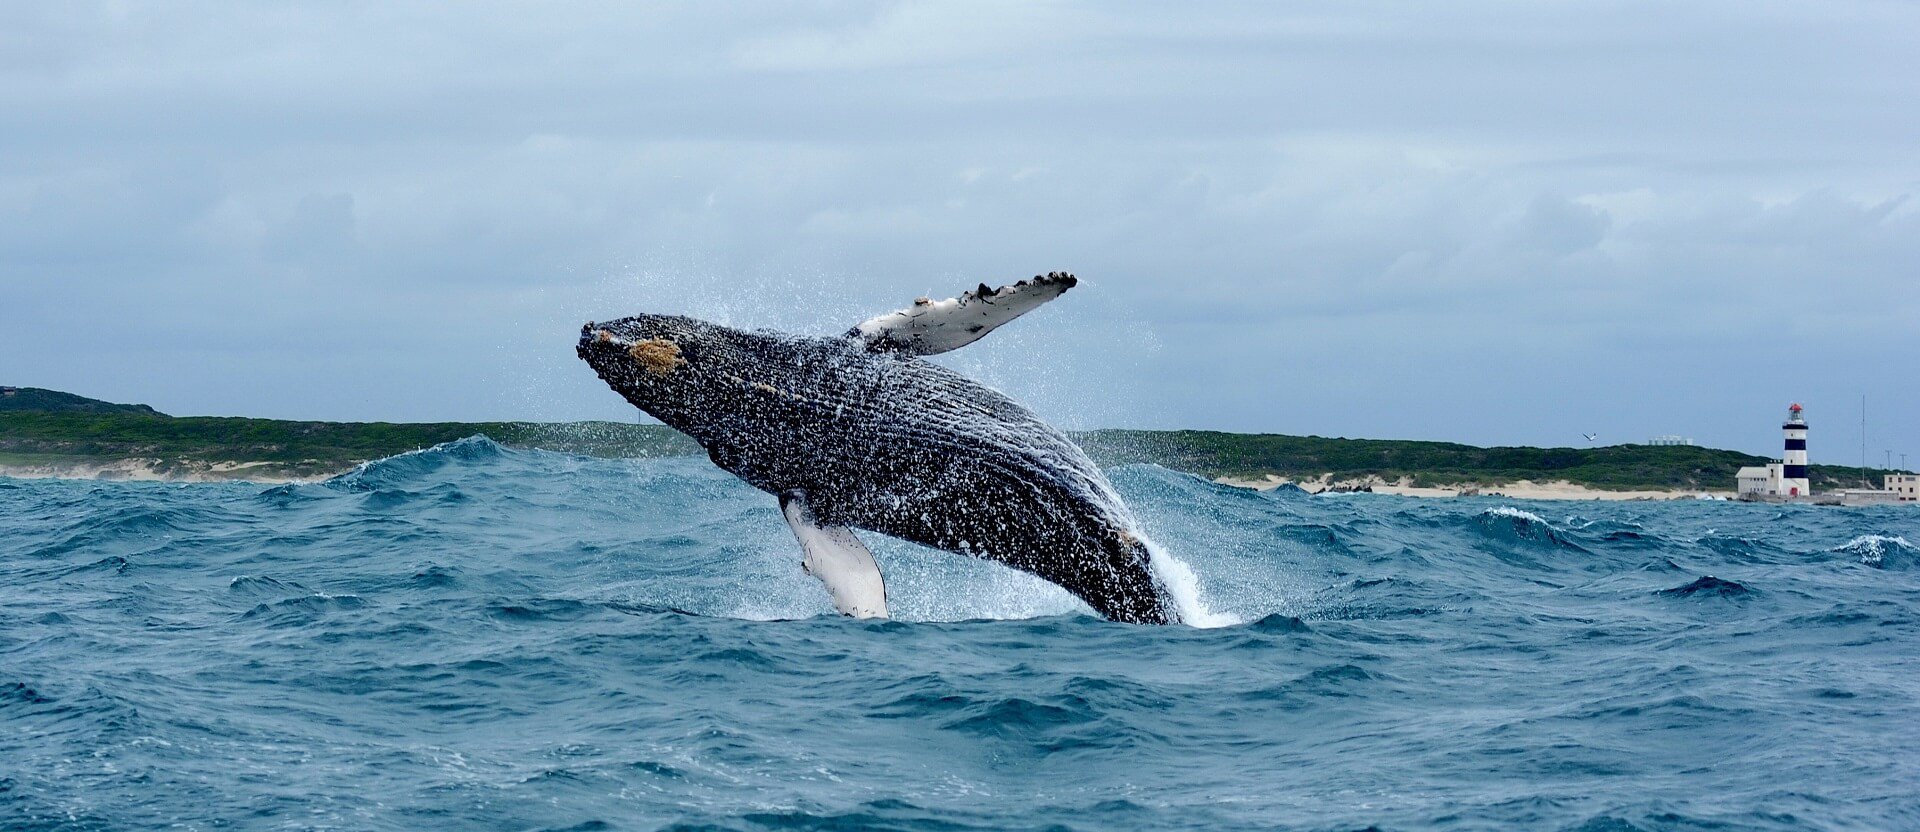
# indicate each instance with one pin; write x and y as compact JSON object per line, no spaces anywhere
{"x":1519,"y":490}
{"x":271,"y":473}
{"x":52,"y":434}
{"x":155,"y":470}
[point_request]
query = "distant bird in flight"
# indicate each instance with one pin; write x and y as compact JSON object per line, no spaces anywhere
{"x":1591,"y":436}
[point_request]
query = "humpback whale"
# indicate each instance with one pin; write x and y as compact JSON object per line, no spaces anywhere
{"x":859,"y":432}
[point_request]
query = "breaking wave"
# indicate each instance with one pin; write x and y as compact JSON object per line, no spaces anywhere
{"x":1881,"y":551}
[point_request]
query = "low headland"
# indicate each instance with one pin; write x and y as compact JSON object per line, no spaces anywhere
{"x":46,"y":433}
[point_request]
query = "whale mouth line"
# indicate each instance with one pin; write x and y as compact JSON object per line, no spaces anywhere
{"x":599,"y":334}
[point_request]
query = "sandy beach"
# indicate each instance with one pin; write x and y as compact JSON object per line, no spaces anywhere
{"x":151,"y":470}
{"x":1521,"y":490}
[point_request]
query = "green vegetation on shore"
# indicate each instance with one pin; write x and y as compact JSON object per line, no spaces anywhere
{"x":1428,"y":464}
{"x":39,"y":400}
{"x":49,"y":430}
{"x":189,"y":444}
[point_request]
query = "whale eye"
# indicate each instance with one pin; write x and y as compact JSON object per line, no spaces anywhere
{"x":659,"y":356}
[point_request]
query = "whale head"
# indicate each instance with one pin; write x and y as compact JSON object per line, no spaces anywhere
{"x":660,"y":363}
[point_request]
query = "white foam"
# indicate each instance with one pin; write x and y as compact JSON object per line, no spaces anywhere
{"x":1523,"y":514}
{"x":1181,"y":583}
{"x":1872,"y":548}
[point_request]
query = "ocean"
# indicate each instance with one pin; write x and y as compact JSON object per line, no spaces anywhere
{"x":472,"y":637}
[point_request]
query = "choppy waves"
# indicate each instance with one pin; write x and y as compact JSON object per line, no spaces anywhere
{"x":473,"y":637}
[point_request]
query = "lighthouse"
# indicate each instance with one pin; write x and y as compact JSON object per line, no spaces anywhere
{"x":1786,"y":479}
{"x":1793,"y":466}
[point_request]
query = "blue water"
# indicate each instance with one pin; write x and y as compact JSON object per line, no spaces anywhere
{"x":477,"y":638}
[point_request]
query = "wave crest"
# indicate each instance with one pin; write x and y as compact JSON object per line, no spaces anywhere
{"x":1881,"y":551}
{"x":394,"y":470}
{"x":1519,"y":525}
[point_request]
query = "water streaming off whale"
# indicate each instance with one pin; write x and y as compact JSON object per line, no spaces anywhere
{"x":475,"y":637}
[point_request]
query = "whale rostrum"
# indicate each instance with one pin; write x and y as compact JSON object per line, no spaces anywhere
{"x":859,"y":432}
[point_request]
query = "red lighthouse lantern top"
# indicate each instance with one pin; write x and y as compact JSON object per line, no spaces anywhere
{"x":1794,"y":417}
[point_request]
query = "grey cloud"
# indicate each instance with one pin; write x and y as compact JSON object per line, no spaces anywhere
{"x":1473,"y":221}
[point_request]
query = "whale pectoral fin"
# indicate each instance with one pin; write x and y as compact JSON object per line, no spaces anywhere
{"x":935,"y":326}
{"x":838,"y":559}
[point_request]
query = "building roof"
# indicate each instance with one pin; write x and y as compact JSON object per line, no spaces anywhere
{"x":1750,"y":473}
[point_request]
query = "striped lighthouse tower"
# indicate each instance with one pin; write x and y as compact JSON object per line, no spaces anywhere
{"x":1793,"y":473}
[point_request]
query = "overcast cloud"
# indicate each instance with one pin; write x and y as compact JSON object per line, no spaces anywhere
{"x":1483,"y":222}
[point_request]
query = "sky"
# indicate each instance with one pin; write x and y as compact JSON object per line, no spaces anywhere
{"x":1482,"y":222}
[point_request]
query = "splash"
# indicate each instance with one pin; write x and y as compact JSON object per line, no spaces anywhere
{"x":1184,"y":585}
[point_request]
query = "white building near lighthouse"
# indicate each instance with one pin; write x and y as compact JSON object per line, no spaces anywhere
{"x":1757,"y":479}
{"x":1788,"y":477}
{"x":1905,"y":487}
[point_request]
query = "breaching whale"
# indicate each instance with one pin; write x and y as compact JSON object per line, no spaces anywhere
{"x":858,"y":432}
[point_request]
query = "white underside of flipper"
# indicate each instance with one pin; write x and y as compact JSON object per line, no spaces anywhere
{"x":839,"y":560}
{"x":935,"y":326}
